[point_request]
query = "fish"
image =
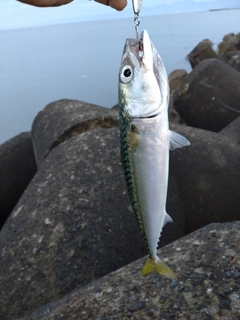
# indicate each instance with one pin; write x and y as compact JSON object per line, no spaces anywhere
{"x":145,"y":141}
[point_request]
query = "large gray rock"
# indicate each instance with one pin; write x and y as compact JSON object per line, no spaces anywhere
{"x":17,"y":167}
{"x":208,"y":177}
{"x":72,"y":224}
{"x":206,"y":263}
{"x":208,"y":98}
{"x":232,"y":131}
{"x":228,"y":36}
{"x":175,"y":78}
{"x":230,"y":42}
{"x":230,"y":58}
{"x":60,"y":120}
{"x":201,"y":52}
{"x":234,"y":62}
{"x":173,"y":115}
{"x":226,"y":46}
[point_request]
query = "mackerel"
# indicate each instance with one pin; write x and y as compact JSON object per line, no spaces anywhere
{"x":146,"y":140}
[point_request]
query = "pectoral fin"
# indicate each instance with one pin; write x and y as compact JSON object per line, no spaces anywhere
{"x":176,"y":140}
{"x":135,"y":137}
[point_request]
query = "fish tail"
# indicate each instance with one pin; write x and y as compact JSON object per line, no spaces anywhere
{"x":158,"y":265}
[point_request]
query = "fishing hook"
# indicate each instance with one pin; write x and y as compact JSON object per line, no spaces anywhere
{"x":137,"y":4}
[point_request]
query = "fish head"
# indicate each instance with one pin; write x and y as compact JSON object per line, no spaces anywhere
{"x":143,"y":81}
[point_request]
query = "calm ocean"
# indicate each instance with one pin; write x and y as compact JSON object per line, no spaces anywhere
{"x":81,"y":60}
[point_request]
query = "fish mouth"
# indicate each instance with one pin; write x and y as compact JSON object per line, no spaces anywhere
{"x":141,"y":48}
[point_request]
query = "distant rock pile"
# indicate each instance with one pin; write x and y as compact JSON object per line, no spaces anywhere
{"x":69,"y":224}
{"x":208,"y":97}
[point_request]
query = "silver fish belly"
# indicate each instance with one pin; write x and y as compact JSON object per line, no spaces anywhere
{"x":150,"y":163}
{"x":145,"y":141}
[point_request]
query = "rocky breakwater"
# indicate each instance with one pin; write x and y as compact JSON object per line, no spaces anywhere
{"x":72,"y":225}
{"x":208,"y":97}
{"x":208,"y":269}
{"x":207,"y":101}
{"x":17,"y":168}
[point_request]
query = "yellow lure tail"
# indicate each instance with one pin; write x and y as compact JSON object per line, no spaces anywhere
{"x":159,"y":266}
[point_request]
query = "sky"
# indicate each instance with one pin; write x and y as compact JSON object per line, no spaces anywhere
{"x":14,"y":14}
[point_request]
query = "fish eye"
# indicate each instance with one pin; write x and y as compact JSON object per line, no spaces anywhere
{"x":126,"y":74}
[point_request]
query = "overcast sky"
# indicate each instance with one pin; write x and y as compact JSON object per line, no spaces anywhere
{"x":14,"y":14}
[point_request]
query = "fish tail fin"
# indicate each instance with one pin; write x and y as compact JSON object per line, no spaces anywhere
{"x":158,"y":265}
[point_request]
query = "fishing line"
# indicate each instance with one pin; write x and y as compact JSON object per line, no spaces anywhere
{"x":169,"y":24}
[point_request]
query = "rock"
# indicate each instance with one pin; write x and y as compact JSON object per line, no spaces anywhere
{"x":201,"y":52}
{"x":234,"y":62}
{"x":233,"y":38}
{"x":208,"y":98}
{"x":232,"y":58}
{"x":203,"y":291}
{"x":208,"y":177}
{"x":173,"y":115}
{"x":115,"y":107}
{"x":176,"y":77}
{"x":230,"y":42}
{"x":232,"y":131}
{"x":225,"y":46}
{"x":63,"y":119}
{"x":72,"y":224}
{"x":175,"y":209}
{"x":238,"y":44}
{"x":17,"y":167}
{"x":230,"y":54}
{"x":228,"y":36}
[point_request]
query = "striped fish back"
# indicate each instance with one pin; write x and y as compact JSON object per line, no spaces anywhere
{"x":127,"y":163}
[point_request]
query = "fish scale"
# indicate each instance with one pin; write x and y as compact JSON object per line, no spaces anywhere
{"x":128,"y":169}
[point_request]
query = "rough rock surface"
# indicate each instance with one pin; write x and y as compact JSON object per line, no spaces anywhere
{"x":208,"y":98}
{"x":228,"y":36}
{"x":234,"y":62}
{"x":208,"y":177}
{"x":63,"y":119}
{"x":230,"y":42}
{"x":17,"y":167}
{"x":72,"y":225}
{"x":201,"y":52}
{"x":176,"y":77}
{"x":207,"y":266}
{"x":225,"y":46}
{"x":230,"y":54}
{"x":232,"y":131}
{"x":173,"y":115}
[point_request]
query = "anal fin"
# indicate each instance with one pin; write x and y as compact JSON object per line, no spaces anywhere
{"x":130,"y":208}
{"x":167,"y":219}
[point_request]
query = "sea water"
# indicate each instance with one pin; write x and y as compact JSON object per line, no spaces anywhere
{"x":81,"y":60}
